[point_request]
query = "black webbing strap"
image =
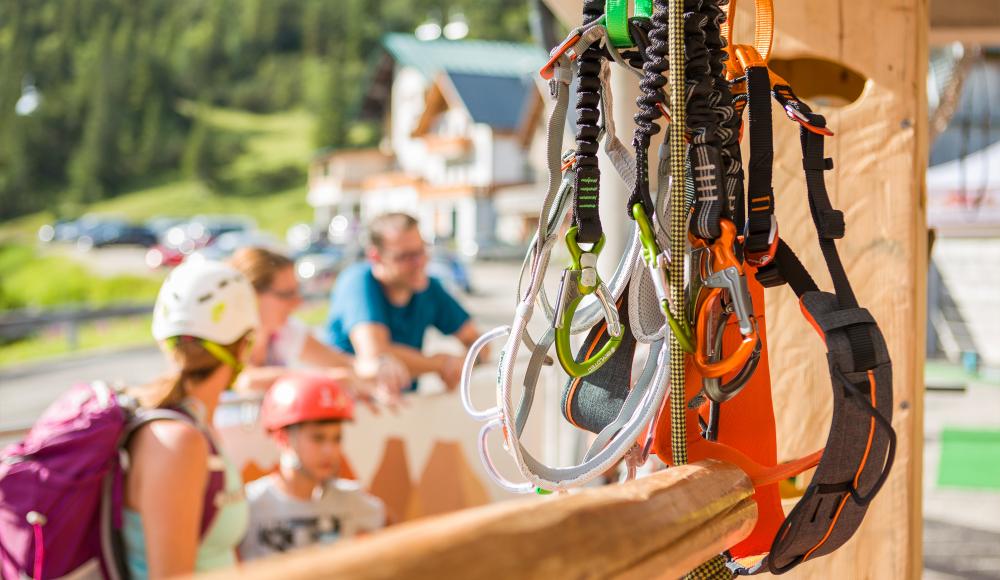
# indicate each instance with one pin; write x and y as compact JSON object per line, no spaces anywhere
{"x":760,"y":195}
{"x":860,"y":448}
{"x":586,"y":214}
{"x":830,"y":227}
{"x":829,"y":224}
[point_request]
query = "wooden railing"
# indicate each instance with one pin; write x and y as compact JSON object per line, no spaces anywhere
{"x":659,"y":526}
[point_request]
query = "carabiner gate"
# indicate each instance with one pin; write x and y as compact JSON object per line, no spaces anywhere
{"x":579,"y":280}
{"x":658,"y":265}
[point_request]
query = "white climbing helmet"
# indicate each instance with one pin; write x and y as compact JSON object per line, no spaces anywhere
{"x":207,"y":300}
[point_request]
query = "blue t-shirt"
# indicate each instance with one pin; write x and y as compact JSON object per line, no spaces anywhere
{"x":358,"y":298}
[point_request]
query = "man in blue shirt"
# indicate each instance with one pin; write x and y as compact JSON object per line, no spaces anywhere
{"x":384,"y":305}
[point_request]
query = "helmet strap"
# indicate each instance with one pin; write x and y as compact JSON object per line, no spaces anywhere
{"x":223,"y":355}
{"x":289,"y":461}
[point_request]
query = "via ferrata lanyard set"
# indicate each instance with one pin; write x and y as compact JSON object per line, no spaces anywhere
{"x":704,"y":390}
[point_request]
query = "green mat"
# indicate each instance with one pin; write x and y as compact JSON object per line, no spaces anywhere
{"x":970,"y":458}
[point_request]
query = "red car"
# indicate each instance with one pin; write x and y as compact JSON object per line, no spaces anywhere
{"x":161,"y":256}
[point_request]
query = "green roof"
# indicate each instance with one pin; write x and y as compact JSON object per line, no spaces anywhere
{"x":482,"y":57}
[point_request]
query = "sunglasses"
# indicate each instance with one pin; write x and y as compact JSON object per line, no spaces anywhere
{"x":286,"y":295}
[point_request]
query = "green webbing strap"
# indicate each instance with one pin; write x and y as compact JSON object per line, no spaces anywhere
{"x":616,"y":12}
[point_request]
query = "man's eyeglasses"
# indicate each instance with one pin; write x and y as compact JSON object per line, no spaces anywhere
{"x":410,"y":257}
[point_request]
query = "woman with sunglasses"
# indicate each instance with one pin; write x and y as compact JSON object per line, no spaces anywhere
{"x":184,"y":510}
{"x":284,"y":341}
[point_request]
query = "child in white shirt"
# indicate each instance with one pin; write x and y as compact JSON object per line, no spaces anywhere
{"x":304,"y":503}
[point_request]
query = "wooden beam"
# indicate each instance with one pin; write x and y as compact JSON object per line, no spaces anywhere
{"x":986,"y":35}
{"x":966,"y":21}
{"x":661,"y":525}
{"x":964,"y":14}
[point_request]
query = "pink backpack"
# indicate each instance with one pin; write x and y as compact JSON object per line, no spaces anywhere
{"x":61,"y":487}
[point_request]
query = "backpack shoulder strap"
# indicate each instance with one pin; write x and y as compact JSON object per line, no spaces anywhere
{"x":216,"y":466}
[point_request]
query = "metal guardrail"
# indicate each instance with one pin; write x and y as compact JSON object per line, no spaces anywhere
{"x":234,"y":408}
{"x":19,"y":324}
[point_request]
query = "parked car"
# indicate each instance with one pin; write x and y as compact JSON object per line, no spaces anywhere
{"x":445,"y":265}
{"x":201,"y":230}
{"x":114,"y":233}
{"x":66,"y":230}
{"x":317,"y":272}
{"x":163,"y":256}
{"x":161,"y":224}
{"x":223,"y":246}
{"x":58,"y":231}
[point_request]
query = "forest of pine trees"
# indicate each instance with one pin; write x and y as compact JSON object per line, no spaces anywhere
{"x":118,"y":79}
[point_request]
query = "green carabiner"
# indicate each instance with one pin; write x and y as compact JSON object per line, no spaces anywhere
{"x":579,"y":280}
{"x":661,"y":278}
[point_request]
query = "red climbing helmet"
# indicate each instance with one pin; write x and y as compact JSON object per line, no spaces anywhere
{"x":296,"y":399}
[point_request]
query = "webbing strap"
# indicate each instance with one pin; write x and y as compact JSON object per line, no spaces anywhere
{"x":830,"y":226}
{"x":760,"y":195}
{"x":763,"y":33}
{"x":859,"y":450}
{"x":618,"y":20}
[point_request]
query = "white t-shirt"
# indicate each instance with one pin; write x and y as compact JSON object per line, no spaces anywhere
{"x":279,"y":522}
{"x":285,"y":347}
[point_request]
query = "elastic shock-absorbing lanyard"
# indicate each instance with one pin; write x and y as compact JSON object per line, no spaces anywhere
{"x":586,"y":202}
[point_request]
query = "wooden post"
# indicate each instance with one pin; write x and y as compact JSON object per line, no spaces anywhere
{"x":658,"y":526}
{"x":880,"y":158}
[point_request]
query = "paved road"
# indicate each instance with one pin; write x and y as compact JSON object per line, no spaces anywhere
{"x":109,"y":261}
{"x":961,"y":526}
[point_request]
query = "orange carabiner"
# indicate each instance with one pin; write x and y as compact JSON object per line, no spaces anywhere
{"x":724,"y":272}
{"x":546,"y":71}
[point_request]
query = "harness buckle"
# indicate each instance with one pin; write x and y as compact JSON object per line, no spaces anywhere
{"x":794,"y":108}
{"x":765,"y":257}
{"x":557,"y":53}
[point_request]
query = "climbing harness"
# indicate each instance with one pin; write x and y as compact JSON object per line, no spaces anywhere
{"x":628,"y":417}
{"x":859,"y":452}
{"x":689,"y":286}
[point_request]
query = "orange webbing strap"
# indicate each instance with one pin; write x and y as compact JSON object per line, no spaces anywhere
{"x":746,"y":436}
{"x":763,"y":31}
